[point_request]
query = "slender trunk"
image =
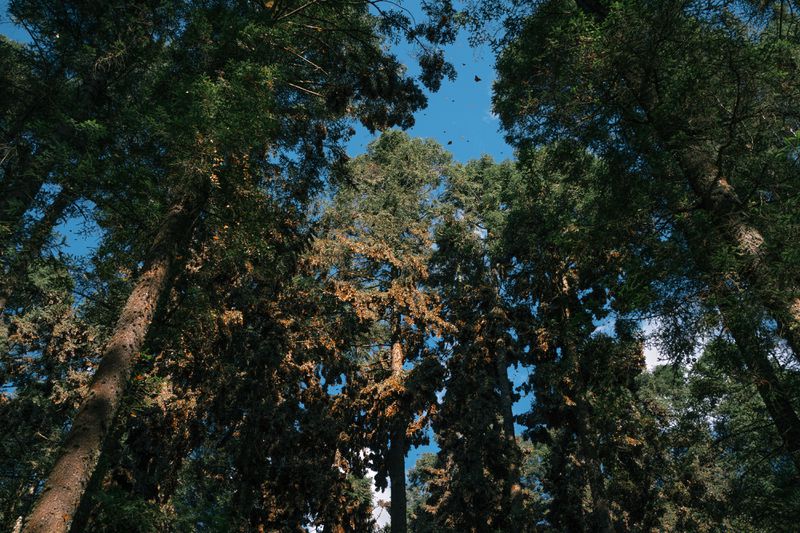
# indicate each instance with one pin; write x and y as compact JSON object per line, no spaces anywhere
{"x":69,"y":477}
{"x":594,"y":511}
{"x":719,"y":198}
{"x":33,"y":245}
{"x":397,"y":446}
{"x":513,"y":487}
{"x":397,"y":476}
{"x":26,"y":487}
{"x":506,"y":394}
{"x":741,"y":315}
{"x":720,"y":201}
{"x":598,"y":516}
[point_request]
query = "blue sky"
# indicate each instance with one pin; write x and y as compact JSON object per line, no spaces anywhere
{"x":8,"y":28}
{"x":460,"y":112}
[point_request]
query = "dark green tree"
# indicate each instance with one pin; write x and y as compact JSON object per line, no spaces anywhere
{"x":479,"y":460}
{"x":223,"y":95}
{"x":687,"y":102}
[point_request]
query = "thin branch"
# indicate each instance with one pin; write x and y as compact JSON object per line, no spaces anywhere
{"x":306,"y":60}
{"x":309,"y":91}
{"x":297,"y":10}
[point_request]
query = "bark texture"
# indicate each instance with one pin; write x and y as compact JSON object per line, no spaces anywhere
{"x":512,"y":488}
{"x":776,"y":398}
{"x":720,"y":200}
{"x":741,"y":308}
{"x":698,"y":162}
{"x":397,"y":448}
{"x":56,"y":507}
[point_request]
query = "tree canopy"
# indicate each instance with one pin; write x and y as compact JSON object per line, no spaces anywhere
{"x":267,"y":326}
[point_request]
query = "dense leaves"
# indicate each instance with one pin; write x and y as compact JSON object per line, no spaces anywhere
{"x":261,"y":328}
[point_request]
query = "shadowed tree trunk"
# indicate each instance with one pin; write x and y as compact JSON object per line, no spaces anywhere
{"x":698,"y":163}
{"x":719,"y":199}
{"x":755,"y":357}
{"x":598,"y":516}
{"x":397,"y":446}
{"x":512,"y":488}
{"x":80,"y":452}
{"x":741,"y":316}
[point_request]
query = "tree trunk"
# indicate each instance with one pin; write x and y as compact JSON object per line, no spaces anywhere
{"x":397,"y":477}
{"x":775,"y":397}
{"x":598,"y":516}
{"x":506,"y":400}
{"x":397,"y":446}
{"x":719,"y":199}
{"x":69,"y":477}
{"x":513,"y":487}
{"x":741,"y":316}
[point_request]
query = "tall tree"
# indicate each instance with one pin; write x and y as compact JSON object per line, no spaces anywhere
{"x":622,"y":80}
{"x":375,"y":254}
{"x":221,"y":61}
{"x":479,"y":459}
{"x":567,"y":274}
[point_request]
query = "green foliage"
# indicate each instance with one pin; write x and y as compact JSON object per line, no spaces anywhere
{"x":325,"y":314}
{"x":374,"y":258}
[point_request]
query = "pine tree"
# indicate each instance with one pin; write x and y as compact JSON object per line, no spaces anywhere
{"x":375,"y":256}
{"x":479,"y":481}
{"x":195,"y":134}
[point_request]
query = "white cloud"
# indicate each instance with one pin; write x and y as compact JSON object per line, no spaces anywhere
{"x":652,"y":355}
{"x":379,"y":512}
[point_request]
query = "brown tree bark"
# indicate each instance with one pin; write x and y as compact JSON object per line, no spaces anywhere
{"x":80,"y":452}
{"x":499,"y":325}
{"x":741,"y":316}
{"x":397,"y":476}
{"x":732,"y":229}
{"x":513,"y":487}
{"x":505,"y":393}
{"x":720,"y":200}
{"x":597,"y":515}
{"x":396,"y":456}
